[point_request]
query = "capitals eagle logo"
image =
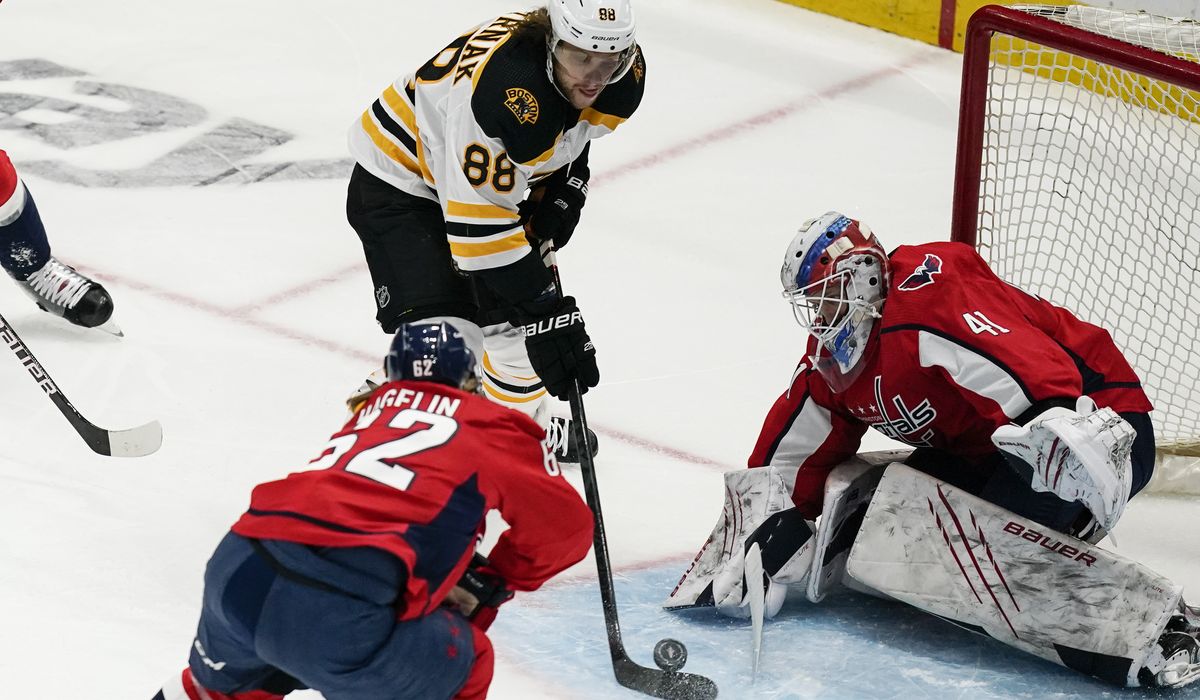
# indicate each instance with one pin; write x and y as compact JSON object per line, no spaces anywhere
{"x":923,"y":275}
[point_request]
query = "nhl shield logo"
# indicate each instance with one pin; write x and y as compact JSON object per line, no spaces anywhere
{"x":382,"y":296}
{"x":522,"y":104}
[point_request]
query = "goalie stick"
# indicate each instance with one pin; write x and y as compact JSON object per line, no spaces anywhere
{"x":134,"y":442}
{"x":755,"y":591}
{"x":658,"y":683}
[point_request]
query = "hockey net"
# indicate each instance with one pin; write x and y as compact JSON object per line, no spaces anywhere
{"x":1077,"y":179}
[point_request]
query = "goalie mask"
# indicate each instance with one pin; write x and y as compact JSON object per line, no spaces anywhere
{"x":835,"y":275}
{"x":436,"y":350}
{"x":591,"y":35}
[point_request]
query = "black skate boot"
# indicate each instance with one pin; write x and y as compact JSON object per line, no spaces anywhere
{"x":1179,"y":664}
{"x":60,"y":290}
{"x":562,"y":441}
{"x":1186,"y":619}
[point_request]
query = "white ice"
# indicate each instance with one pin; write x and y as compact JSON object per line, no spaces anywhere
{"x":248,"y":315}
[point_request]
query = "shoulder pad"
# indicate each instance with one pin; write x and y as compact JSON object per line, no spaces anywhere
{"x":515,"y":102}
{"x":621,"y":99}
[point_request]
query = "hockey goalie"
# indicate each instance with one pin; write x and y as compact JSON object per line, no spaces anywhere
{"x":1030,"y":433}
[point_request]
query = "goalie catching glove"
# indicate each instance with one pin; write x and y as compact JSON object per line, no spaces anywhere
{"x":1081,"y":455}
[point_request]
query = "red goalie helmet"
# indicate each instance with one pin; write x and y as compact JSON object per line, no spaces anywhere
{"x":835,"y":275}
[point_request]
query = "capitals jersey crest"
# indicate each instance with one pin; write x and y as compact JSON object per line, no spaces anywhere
{"x":923,"y":275}
{"x":522,"y":104}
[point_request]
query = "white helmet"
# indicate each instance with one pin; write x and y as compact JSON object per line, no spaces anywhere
{"x":604,"y":26}
{"x":835,"y":275}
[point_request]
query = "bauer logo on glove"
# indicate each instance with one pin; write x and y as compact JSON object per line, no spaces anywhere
{"x":550,"y":324}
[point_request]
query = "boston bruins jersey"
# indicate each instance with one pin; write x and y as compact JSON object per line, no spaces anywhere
{"x":478,"y":124}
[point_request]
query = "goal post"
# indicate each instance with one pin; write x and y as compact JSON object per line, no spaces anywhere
{"x":1078,"y":179}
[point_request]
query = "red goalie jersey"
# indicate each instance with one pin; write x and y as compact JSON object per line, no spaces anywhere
{"x":957,"y":353}
{"x":414,"y":472}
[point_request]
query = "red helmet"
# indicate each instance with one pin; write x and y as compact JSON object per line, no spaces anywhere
{"x":835,"y":275}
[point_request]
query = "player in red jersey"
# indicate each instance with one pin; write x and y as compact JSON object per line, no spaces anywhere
{"x":358,"y":576}
{"x":928,"y":346}
{"x":1031,"y":432}
{"x":25,"y":256}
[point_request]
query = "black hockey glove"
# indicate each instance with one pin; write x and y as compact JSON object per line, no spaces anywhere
{"x":558,"y":345}
{"x":488,"y":589}
{"x":555,"y":215}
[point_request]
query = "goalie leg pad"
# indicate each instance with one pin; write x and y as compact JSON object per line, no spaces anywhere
{"x":848,"y":490}
{"x":964,"y":559}
{"x":716,"y":576}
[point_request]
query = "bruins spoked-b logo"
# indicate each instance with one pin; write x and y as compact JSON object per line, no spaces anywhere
{"x":522,"y":104}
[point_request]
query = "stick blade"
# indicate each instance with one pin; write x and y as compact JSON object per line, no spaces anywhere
{"x":657,"y":683}
{"x":134,"y":442}
{"x":756,"y":593}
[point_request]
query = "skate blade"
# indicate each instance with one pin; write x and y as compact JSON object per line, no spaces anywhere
{"x":1185,"y":674}
{"x":110,"y":326}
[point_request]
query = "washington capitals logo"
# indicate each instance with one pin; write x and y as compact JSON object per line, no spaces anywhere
{"x":923,"y":275}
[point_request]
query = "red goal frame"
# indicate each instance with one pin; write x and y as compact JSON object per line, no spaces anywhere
{"x":991,"y":19}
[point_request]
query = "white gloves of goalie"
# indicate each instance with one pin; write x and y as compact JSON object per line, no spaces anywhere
{"x":1080,"y":455}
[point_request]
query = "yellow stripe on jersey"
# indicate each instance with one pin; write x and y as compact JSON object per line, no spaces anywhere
{"x":425,"y":171}
{"x":545,"y":156}
{"x":509,"y":398}
{"x":401,"y":107}
{"x":595,"y":118}
{"x":488,"y":368}
{"x":491,"y":212}
{"x":389,"y":148}
{"x":467,"y":248}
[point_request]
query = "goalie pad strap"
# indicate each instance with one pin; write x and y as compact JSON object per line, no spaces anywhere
{"x":964,"y":559}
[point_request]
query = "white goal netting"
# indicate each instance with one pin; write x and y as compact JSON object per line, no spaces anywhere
{"x":1089,"y":196}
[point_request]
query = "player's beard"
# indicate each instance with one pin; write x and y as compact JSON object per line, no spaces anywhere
{"x":581,"y":93}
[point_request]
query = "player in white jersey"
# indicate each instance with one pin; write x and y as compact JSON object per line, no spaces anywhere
{"x":474,"y":166}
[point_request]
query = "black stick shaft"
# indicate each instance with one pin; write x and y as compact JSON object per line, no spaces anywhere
{"x":591,"y":491}
{"x":134,"y":442}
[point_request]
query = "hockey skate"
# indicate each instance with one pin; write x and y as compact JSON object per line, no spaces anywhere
{"x":61,"y":290}
{"x":562,"y":441}
{"x":1176,"y":661}
{"x":1179,"y":663}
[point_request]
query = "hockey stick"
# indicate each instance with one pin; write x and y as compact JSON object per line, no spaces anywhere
{"x":665,"y":682}
{"x":754,"y":583}
{"x":134,"y":442}
{"x":651,"y":681}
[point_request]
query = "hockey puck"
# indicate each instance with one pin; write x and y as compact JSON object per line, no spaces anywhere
{"x":670,"y":655}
